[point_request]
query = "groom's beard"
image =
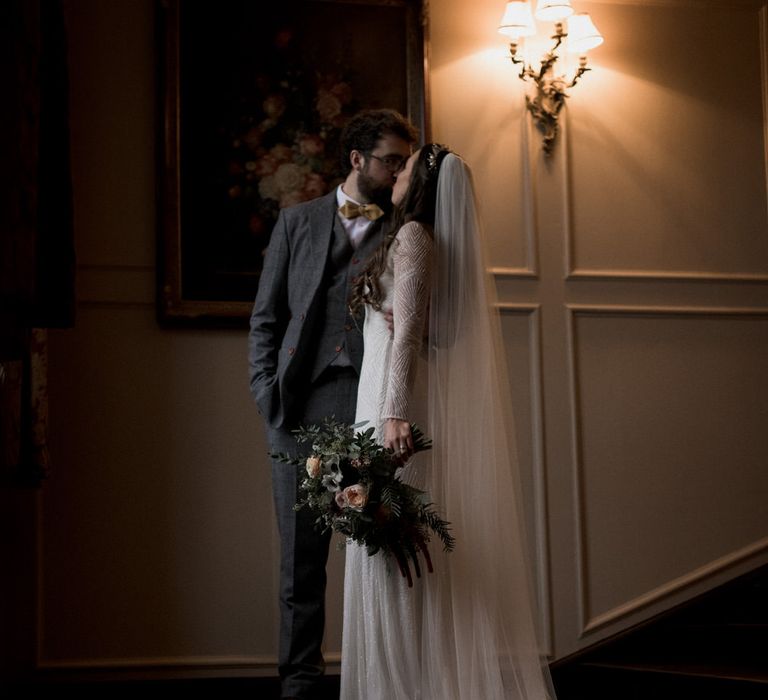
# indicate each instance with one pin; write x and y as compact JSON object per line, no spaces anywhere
{"x":374,"y":191}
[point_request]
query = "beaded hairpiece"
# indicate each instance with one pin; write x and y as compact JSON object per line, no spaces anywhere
{"x":434,"y":150}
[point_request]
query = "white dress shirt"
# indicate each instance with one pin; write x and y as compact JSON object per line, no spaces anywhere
{"x":356,"y":228}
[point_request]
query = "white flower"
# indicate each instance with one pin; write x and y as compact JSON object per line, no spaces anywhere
{"x":290,"y":177}
{"x":331,"y":481}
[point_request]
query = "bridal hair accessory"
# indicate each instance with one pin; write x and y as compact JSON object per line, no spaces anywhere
{"x":352,"y":487}
{"x":350,"y":210}
{"x":434,"y":150}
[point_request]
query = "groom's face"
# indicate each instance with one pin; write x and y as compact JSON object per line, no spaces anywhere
{"x":380,"y":167}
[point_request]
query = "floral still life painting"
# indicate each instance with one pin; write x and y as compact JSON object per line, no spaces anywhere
{"x":284,"y":150}
{"x":351,"y":484}
{"x":256,"y":97}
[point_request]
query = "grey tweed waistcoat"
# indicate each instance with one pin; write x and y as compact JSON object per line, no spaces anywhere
{"x":341,"y":340}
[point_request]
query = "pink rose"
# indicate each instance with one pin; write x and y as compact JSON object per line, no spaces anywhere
{"x":311,"y":145}
{"x":356,"y":496}
{"x":266,"y":165}
{"x":282,"y":153}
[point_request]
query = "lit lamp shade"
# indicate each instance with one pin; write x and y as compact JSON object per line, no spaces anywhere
{"x":553,"y":10}
{"x":517,"y":20}
{"x":582,"y":34}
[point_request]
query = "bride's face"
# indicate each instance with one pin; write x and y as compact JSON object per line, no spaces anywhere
{"x":403,"y":179}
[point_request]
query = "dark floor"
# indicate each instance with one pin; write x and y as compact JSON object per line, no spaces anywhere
{"x":715,"y":646}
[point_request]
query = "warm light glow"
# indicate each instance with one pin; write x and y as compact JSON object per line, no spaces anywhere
{"x":582,"y":34}
{"x":553,"y":10}
{"x":518,"y":20}
{"x":579,"y":36}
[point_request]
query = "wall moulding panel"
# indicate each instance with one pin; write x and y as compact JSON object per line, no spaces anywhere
{"x":756,"y":552}
{"x":651,"y":275}
{"x":159,"y":481}
{"x":649,"y":192}
{"x":530,"y":243}
{"x":638,"y":448}
{"x":477,"y":107}
{"x":513,"y":272}
{"x":173,"y":668}
{"x":250,"y":665}
{"x":523,"y":347}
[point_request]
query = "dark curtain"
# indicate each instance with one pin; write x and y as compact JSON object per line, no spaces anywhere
{"x":37,"y":261}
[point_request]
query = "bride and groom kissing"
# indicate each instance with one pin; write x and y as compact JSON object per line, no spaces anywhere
{"x":358,"y":288}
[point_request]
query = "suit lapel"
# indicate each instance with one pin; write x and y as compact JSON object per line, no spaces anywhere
{"x":320,"y":222}
{"x":341,"y":239}
{"x":373,"y":238}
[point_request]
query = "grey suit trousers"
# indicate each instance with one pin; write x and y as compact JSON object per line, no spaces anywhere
{"x":304,"y":551}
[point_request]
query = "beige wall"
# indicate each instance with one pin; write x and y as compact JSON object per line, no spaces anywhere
{"x":632,"y":275}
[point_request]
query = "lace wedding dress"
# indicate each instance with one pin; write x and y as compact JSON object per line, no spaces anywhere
{"x":381,"y":640}
{"x":466,"y":631}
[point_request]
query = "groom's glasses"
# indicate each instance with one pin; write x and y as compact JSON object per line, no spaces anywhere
{"x":392,"y":163}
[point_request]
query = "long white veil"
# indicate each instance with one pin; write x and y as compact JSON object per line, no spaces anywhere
{"x":478,"y":634}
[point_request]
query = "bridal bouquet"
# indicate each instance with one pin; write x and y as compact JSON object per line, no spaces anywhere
{"x":352,"y":485}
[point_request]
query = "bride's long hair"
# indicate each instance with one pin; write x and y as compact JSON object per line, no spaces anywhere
{"x":418,"y":205}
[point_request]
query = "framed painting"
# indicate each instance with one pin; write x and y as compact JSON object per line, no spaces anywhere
{"x":254,"y":97}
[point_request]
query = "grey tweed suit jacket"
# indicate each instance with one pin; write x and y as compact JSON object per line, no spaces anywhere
{"x":287,"y":319}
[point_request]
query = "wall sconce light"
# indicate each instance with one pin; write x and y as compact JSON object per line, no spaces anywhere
{"x":579,"y":36}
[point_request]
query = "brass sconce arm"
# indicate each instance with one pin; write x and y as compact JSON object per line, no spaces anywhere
{"x":550,"y":94}
{"x":551,"y":90}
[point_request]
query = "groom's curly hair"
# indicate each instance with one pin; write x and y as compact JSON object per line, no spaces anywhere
{"x":418,"y":204}
{"x":366,"y":128}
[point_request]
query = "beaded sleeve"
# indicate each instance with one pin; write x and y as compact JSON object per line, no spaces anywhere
{"x":412,"y":263}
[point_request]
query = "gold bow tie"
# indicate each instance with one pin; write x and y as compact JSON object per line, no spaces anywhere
{"x":349,"y":210}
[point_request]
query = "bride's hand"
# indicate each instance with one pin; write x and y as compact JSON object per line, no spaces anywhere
{"x":398,"y":438}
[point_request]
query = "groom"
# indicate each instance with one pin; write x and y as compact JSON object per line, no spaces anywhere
{"x":305,"y":352}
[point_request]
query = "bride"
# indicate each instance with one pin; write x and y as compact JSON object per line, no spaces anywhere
{"x":467,"y":631}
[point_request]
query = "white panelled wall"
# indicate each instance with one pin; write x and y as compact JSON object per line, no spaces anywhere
{"x":632,"y":272}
